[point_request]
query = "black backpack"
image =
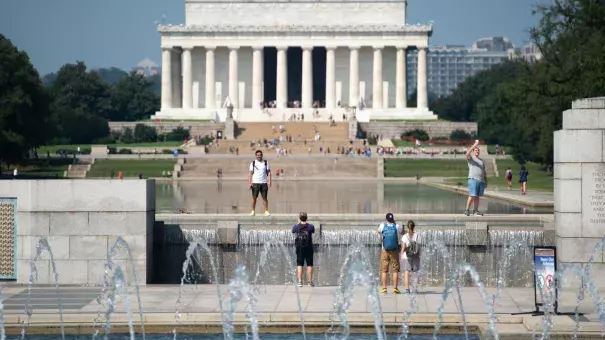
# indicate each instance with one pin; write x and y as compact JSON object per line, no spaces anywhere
{"x":413,"y":250}
{"x":266,"y":167}
{"x":303,"y":237}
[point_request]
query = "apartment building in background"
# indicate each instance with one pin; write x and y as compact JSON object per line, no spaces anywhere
{"x":449,"y":65}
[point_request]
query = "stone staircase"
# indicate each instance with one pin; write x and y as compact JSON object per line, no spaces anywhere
{"x":317,"y":167}
{"x":79,"y":170}
{"x":298,"y":130}
{"x":490,"y":169}
{"x":295,"y":147}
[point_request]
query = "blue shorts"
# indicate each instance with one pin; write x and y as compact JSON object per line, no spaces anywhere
{"x":475,"y":188}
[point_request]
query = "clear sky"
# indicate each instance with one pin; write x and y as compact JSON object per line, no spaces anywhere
{"x":121,"y":33}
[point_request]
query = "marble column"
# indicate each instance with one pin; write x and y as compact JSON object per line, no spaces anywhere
{"x":187,"y":78}
{"x":257,"y":76}
{"x":282,"y":78}
{"x":423,"y":98}
{"x":377,"y":78}
{"x":210,"y":78}
{"x":177,"y":80}
{"x":307,"y":77}
{"x":166,"y":79}
{"x":233,"y":78}
{"x":400,"y":79}
{"x":354,"y":76}
{"x":330,"y":77}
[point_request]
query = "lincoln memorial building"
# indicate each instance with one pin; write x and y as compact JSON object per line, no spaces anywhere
{"x":273,"y":59}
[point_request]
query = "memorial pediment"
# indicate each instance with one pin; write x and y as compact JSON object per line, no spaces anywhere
{"x":322,"y":12}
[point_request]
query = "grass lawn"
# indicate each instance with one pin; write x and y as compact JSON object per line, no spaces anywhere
{"x":457,"y":170}
{"x":402,"y":143}
{"x":537,"y":179}
{"x":74,"y":147}
{"x":425,"y":167}
{"x":130,"y":168}
{"x":41,"y":169}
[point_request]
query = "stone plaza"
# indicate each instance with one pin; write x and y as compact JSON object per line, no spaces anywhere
{"x":349,"y":55}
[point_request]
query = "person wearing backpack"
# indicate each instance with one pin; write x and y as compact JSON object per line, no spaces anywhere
{"x":389,"y":231}
{"x":259,"y":181}
{"x":410,"y":254}
{"x":304,"y":248}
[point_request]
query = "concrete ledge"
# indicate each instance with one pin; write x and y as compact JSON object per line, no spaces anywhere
{"x":589,"y":103}
{"x":524,"y":200}
{"x":288,"y":219}
{"x":509,"y":327}
{"x":586,"y":119}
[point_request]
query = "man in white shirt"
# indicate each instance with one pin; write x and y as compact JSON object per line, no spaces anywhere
{"x":259,"y":181}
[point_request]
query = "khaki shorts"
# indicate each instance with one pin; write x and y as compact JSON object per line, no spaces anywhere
{"x":389,"y":258}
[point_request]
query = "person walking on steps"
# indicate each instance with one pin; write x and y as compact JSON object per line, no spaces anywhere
{"x":304,"y":248}
{"x":477,"y":180}
{"x":389,"y":231}
{"x":259,"y":181}
{"x":410,"y":256}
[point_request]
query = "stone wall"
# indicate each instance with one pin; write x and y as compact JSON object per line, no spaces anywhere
{"x":393,"y":130}
{"x":81,"y":219}
{"x":195,"y":128}
{"x":579,"y":185}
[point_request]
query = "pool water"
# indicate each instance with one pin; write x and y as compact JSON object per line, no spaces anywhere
{"x":322,"y":197}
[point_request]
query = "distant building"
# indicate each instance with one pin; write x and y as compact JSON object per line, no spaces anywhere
{"x":450,"y":65}
{"x":529,"y":52}
{"x":147,"y":68}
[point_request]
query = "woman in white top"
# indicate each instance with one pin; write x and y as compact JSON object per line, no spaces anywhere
{"x":410,"y":254}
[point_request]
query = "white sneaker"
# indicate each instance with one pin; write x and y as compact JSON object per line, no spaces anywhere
{"x":252,"y":213}
{"x":267,"y":213}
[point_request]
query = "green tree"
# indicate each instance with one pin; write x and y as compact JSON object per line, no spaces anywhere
{"x":23,"y":104}
{"x":80,"y":104}
{"x":461,"y":105}
{"x":133,"y":98}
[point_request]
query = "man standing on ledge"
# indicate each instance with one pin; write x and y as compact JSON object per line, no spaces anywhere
{"x":477,"y":179}
{"x":259,"y":181}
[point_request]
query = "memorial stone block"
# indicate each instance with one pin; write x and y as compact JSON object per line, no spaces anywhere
{"x":579,"y":183}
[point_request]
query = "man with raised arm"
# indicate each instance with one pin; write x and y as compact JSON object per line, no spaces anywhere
{"x":477,"y":179}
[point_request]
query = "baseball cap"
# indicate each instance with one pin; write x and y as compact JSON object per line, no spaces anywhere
{"x":390,"y":217}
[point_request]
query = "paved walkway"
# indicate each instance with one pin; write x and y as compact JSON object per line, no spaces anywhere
{"x":282,"y":299}
{"x":533,"y":198}
{"x":277,"y":306}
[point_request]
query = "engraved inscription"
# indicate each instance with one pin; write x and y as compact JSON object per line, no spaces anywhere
{"x":595,"y":196}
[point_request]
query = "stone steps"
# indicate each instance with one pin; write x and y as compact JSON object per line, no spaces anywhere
{"x":254,"y":131}
{"x":296,"y":147}
{"x":490,"y":170}
{"x":79,"y":170}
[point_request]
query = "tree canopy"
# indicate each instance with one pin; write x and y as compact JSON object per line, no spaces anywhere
{"x":520,"y":104}
{"x":23,"y":104}
{"x":72,"y":105}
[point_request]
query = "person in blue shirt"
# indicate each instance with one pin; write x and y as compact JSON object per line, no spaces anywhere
{"x":304,"y":248}
{"x":523,"y":179}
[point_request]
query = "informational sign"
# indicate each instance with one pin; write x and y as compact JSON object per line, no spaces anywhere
{"x":545,"y":264}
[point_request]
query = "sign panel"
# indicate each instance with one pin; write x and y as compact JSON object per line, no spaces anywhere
{"x":545,"y":259}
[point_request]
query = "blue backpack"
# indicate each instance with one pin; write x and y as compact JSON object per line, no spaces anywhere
{"x":389,"y":236}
